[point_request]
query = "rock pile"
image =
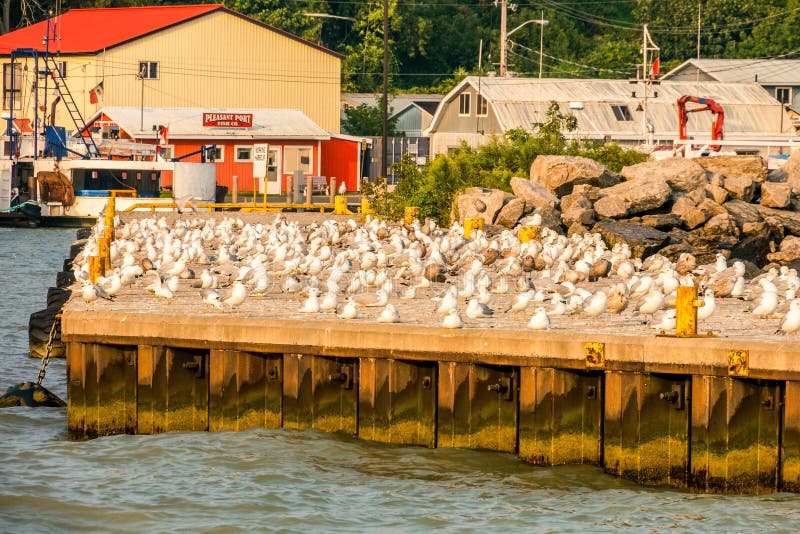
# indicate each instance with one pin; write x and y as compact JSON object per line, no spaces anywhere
{"x":702,"y":206}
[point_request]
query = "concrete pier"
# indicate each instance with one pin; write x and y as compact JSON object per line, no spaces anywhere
{"x":707,"y":414}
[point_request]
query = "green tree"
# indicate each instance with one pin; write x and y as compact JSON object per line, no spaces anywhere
{"x":368,"y":120}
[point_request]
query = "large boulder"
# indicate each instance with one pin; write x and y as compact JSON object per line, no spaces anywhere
{"x":559,"y":174}
{"x":533,"y":193}
{"x":752,"y":167}
{"x":643,"y":240}
{"x":682,"y":175}
{"x":775,"y":195}
{"x":689,"y":216}
{"x":717,"y":193}
{"x":510,"y":213}
{"x":743,"y":212}
{"x":789,"y":221}
{"x":480,"y":203}
{"x":788,"y":252}
{"x":631,"y":197}
{"x":754,"y":247}
{"x":792,"y":170}
{"x":740,"y":187}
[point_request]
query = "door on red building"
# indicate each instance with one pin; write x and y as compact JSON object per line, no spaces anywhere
{"x":273,"y":174}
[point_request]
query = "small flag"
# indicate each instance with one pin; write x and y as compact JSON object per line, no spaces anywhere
{"x":655,"y":67}
{"x":162,"y":135}
{"x":96,"y":94}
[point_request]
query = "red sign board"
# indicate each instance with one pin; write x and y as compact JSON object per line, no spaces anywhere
{"x":228,"y":120}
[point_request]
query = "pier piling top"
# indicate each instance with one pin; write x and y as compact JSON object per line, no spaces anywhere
{"x":493,"y":346}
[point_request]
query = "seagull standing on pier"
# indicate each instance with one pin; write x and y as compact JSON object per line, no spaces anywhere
{"x":539,"y":320}
{"x":791,"y":323}
{"x":237,"y":295}
{"x":452,"y":320}
{"x":389,"y":315}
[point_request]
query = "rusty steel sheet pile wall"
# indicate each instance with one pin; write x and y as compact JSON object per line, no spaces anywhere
{"x":708,"y":423}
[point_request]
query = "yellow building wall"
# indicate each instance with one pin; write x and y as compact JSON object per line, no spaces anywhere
{"x":80,"y":78}
{"x":216,"y":61}
{"x":223,"y":61}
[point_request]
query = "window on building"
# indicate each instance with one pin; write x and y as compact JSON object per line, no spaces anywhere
{"x":12,"y":91}
{"x":297,"y":158}
{"x":168,"y":152}
{"x":622,"y":113}
{"x":148,"y":70}
{"x":215,"y":154}
{"x":463,"y":104}
{"x":243,"y":153}
{"x":483,"y":106}
{"x":62,"y":68}
{"x":784,"y":95}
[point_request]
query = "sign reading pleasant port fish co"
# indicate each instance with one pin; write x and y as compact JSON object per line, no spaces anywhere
{"x":228,"y":120}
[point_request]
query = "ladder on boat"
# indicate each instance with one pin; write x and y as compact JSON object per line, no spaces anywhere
{"x":72,"y":109}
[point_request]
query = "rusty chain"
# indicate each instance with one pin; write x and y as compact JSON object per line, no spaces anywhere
{"x":48,"y":351}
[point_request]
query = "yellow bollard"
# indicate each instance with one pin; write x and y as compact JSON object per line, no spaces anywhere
{"x":529,"y":233}
{"x":366,"y":207}
{"x":412,"y":213}
{"x":104,"y":253}
{"x":471,"y":225}
{"x":340,"y":206}
{"x":686,"y":305}
{"x":95,"y":268}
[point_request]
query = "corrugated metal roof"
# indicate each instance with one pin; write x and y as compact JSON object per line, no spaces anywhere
{"x":86,"y":31}
{"x":187,"y":123}
{"x":520,"y":102}
{"x":764,"y":71}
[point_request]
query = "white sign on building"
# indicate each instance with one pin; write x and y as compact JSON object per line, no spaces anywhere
{"x":260,"y":159}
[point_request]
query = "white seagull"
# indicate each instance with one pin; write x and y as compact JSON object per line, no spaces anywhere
{"x":539,"y":320}
{"x":452,"y":320}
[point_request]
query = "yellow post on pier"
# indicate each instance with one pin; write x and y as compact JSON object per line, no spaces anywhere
{"x":472,"y":225}
{"x":686,"y":305}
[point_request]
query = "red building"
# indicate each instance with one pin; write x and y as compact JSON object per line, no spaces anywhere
{"x":292,"y":141}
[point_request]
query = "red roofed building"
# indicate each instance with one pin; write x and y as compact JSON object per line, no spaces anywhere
{"x":172,"y":56}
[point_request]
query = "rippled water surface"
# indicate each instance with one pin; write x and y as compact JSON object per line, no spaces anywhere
{"x":288,"y":480}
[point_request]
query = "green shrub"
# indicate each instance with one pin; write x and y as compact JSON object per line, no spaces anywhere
{"x":434,"y":186}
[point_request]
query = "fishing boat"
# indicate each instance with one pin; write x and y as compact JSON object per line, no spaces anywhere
{"x":73,"y":192}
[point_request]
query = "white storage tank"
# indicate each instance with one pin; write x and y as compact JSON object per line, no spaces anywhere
{"x":195,"y":180}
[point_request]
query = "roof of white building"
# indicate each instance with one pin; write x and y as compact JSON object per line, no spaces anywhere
{"x":187,"y":123}
{"x":763,"y":71}
{"x":521,"y":102}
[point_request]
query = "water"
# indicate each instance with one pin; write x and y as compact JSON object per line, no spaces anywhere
{"x":296,"y":481}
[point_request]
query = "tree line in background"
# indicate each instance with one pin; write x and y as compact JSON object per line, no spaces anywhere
{"x":434,"y":43}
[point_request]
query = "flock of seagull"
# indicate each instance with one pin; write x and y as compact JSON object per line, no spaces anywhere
{"x":344,"y":268}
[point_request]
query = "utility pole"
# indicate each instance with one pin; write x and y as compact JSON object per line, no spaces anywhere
{"x":384,"y":136}
{"x":503,"y":37}
{"x":697,"y":79}
{"x":647,"y":46}
{"x":542,"y":23}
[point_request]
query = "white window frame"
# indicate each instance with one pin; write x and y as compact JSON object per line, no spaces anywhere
{"x":236,"y":157}
{"x":789,"y":94}
{"x":481,"y":106}
{"x":62,"y":68}
{"x":221,"y":158}
{"x":462,"y":98}
{"x":285,"y":158}
{"x":149,"y":69}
